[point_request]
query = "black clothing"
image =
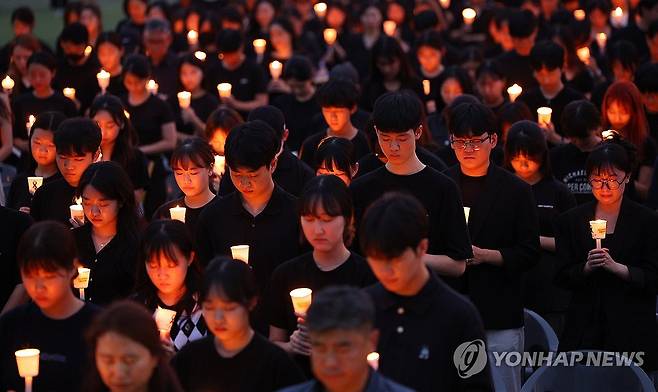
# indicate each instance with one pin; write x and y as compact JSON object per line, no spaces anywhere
{"x":19,"y":194}
{"x":12,"y":226}
{"x":300,"y":118}
{"x":534,"y":99}
{"x":52,"y":201}
{"x":191,"y":214}
{"x":568,"y":166}
{"x":310,"y":146}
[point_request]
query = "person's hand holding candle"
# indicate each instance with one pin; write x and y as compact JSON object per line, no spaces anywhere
{"x":299,"y":340}
{"x":77,"y":213}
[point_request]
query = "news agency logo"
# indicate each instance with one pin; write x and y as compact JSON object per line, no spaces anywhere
{"x":470,"y":358}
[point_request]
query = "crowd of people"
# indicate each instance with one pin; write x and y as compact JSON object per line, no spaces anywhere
{"x":425,"y":170}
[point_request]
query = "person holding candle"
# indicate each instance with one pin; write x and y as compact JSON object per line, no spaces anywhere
{"x":327,"y":221}
{"x":77,"y":145}
{"x":22,"y":47}
{"x":131,"y":27}
{"x":429,"y":56}
{"x":614,"y":288}
{"x":55,"y":320}
{"x":192,"y":163}
{"x":107,"y":244}
{"x":157,"y":39}
{"x":42,"y":148}
{"x":234,"y":356}
{"x":516,"y":62}
{"x":335,"y":156}
{"x":169,"y":277}
{"x":504,"y":230}
{"x":341,"y":331}
{"x":126,"y":352}
{"x":579,"y":75}
{"x":260,"y":18}
{"x":109,"y":50}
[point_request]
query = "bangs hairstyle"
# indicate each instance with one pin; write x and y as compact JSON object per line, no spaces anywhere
{"x":330,"y":193}
{"x":232,"y":279}
{"x":471,"y":119}
{"x":223,"y":118}
{"x":526,"y":138}
{"x":337,"y":93}
{"x":124,"y":152}
{"x":392,"y":224}
{"x":78,"y":136}
{"x":397,"y":112}
{"x":48,"y":121}
{"x":612,"y":153}
{"x":628,"y":96}
{"x":579,"y":119}
{"x":46,"y":245}
{"x":251,"y":145}
{"x":335,"y":153}
{"x":193,"y":150}
{"x":137,"y":65}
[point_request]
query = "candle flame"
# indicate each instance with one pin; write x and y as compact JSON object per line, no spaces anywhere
{"x":618,"y":12}
{"x":7,"y":83}
{"x":78,"y":200}
{"x":200,"y":55}
{"x":125,"y":113}
{"x":88,"y":50}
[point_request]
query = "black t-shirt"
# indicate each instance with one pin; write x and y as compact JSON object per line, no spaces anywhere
{"x":534,"y":99}
{"x":28,"y":104}
{"x":166,"y":75}
{"x":64,"y":358}
{"x":137,"y":169}
{"x":371,"y":161}
{"x":553,"y":198}
{"x":472,"y":188}
{"x":116,"y":86}
{"x":112,"y":268}
{"x":191,"y":214}
{"x":247,"y":80}
{"x":568,"y":166}
{"x":310,"y":146}
{"x":300,"y":118}
{"x":148,"y":118}
{"x":52,"y":201}
{"x":517,"y":69}
{"x":81,"y":77}
{"x":19,"y":194}
{"x":202,"y":106}
{"x":12,"y":226}
{"x":439,"y":195}
{"x":260,"y":366}
{"x":652,"y":119}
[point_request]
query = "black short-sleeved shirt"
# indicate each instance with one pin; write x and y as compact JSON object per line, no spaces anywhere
{"x":568,"y":166}
{"x":419,"y":335}
{"x":310,"y":146}
{"x":291,"y":174}
{"x":535,"y":99}
{"x":28,"y":104}
{"x":247,"y":80}
{"x":148,"y":118}
{"x":517,"y":69}
{"x":137,"y":170}
{"x":371,"y":162}
{"x":438,"y":194}
{"x":165,"y":74}
{"x":260,"y":366}
{"x":52,"y":201}
{"x":553,"y":198}
{"x":191,"y":214}
{"x":64,"y":358}
{"x":202,"y":106}
{"x":302,"y":271}
{"x":81,"y":77}
{"x":19,"y":194}
{"x":112,"y":268}
{"x":472,"y":189}
{"x":12,"y":226}
{"x":300,"y":118}
{"x":116,"y":87}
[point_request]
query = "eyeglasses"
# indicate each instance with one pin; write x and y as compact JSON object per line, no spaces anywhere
{"x":611,"y":183}
{"x":476,"y":144}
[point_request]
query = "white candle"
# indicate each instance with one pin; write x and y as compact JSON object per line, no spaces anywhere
{"x":224,"y":90}
{"x":8,"y":84}
{"x":320,"y":10}
{"x":69,"y":92}
{"x":583,"y":54}
{"x":178,"y":213}
{"x":544,"y":115}
{"x":514,"y":91}
{"x":77,"y":212}
{"x":88,"y":50}
{"x":467,"y":212}
{"x":125,"y":113}
{"x":81,"y":282}
{"x":426,"y":87}
{"x":184,"y":99}
{"x":445,"y":4}
{"x":34,"y":183}
{"x":152,"y":87}
{"x":192,"y":37}
{"x":618,"y":18}
{"x":275,"y":69}
{"x":330,"y":36}
{"x":469,"y":15}
{"x":390,"y":27}
{"x":601,"y":39}
{"x":240,"y":252}
{"x":579,"y":14}
{"x":164,"y":319}
{"x":220,"y":165}
{"x":599,"y":228}
{"x":609,"y":134}
{"x":30,"y":122}
{"x":27,"y":361}
{"x":301,"y":299}
{"x":373,"y":360}
{"x":103,"y":78}
{"x":200,"y":55}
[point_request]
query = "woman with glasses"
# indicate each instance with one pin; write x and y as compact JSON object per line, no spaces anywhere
{"x":613,"y":286}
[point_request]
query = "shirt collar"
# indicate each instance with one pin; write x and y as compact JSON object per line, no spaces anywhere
{"x":419,"y":303}
{"x":272,"y":208}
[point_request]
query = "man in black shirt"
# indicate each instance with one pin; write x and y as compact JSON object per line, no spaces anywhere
{"x":516,"y":62}
{"x":157,"y":40}
{"x":424,"y":325}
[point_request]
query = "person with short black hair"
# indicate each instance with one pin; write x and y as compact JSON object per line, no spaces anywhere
{"x":647,"y":83}
{"x":340,"y":323}
{"x":430,"y":51}
{"x":110,"y":51}
{"x":623,"y":60}
{"x":490,"y":83}
{"x":421,"y":320}
{"x":77,"y":145}
{"x":397,"y":120}
{"x":22,"y":25}
{"x":335,"y":156}
{"x":157,"y":38}
{"x":55,"y":320}
{"x":234,"y":357}
{"x":516,"y":62}
{"x":504,"y":230}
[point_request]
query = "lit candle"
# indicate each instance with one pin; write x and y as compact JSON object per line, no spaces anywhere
{"x":34,"y":183}
{"x":579,"y":14}
{"x":77,"y":212}
{"x":609,"y":134}
{"x":240,"y":252}
{"x":390,"y":27}
{"x":373,"y":360}
{"x":426,"y":87}
{"x":618,"y":18}
{"x":544,"y":115}
{"x":599,"y":228}
{"x":467,"y":212}
{"x":583,"y":54}
{"x":8,"y":84}
{"x":30,"y":122}
{"x":69,"y":92}
{"x":200,"y":55}
{"x":103,"y":78}
{"x":177,"y":213}
{"x":301,"y":300}
{"x":275,"y":69}
{"x":224,"y":90}
{"x":152,"y":87}
{"x":184,"y":99}
{"x":164,"y":319}
{"x":601,"y":39}
{"x":125,"y":113}
{"x":320,"y":10}
{"x":192,"y":37}
{"x":330,"y":36}
{"x":220,"y":165}
{"x":469,"y":15}
{"x":88,"y":50}
{"x":27,"y":361}
{"x":81,"y":282}
{"x":514,"y":91}
{"x":445,"y":4}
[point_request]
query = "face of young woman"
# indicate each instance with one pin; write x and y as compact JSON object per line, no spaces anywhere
{"x":190,"y":77}
{"x":618,"y":115}
{"x":19,"y":57}
{"x":525,"y":167}
{"x":217,"y":141}
{"x":192,"y":179}
{"x":137,"y":10}
{"x":100,"y":210}
{"x":123,"y":364}
{"x":109,"y":56}
{"x":429,"y":58}
{"x":279,"y":37}
{"x":43,"y":147}
{"x":168,"y":275}
{"x":226,"y":320}
{"x":323,"y":231}
{"x":133,"y":84}
{"x":603,"y":194}
{"x":450,"y":89}
{"x":39,"y":76}
{"x":47,"y":288}
{"x":389,"y":68}
{"x":109,"y":128}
